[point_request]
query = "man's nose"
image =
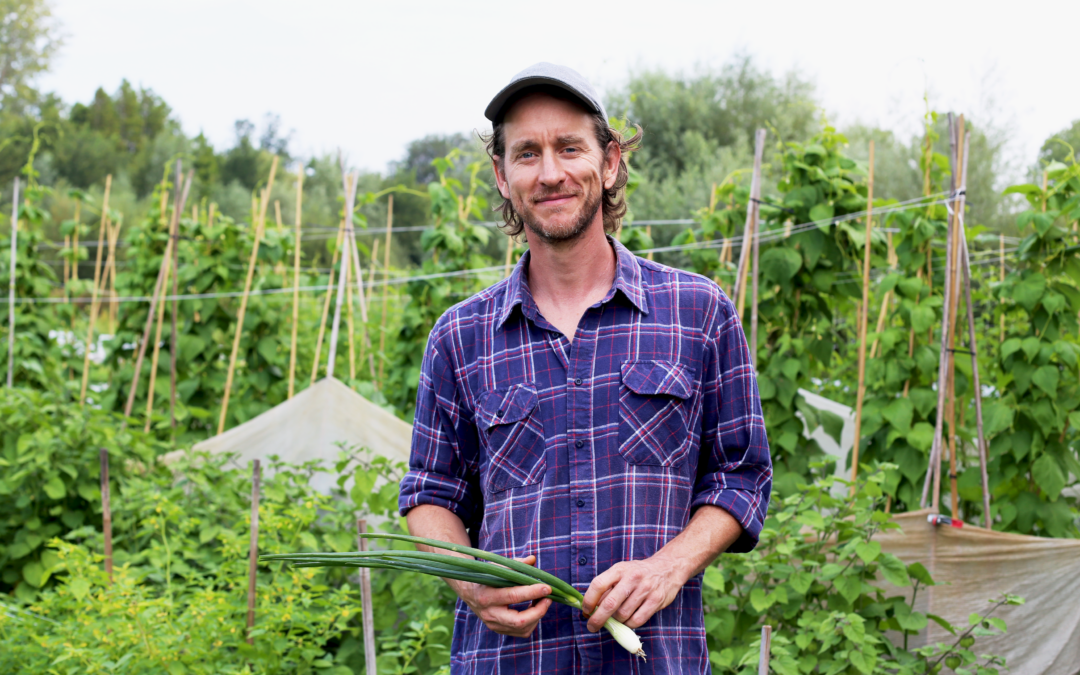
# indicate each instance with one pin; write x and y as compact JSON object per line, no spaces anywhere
{"x":551,"y":170}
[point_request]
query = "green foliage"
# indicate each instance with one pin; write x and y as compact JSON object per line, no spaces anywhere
{"x":50,"y":478}
{"x":1033,"y":449}
{"x":819,"y":579}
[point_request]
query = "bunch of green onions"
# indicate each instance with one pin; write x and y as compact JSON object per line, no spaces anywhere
{"x":505,"y":573}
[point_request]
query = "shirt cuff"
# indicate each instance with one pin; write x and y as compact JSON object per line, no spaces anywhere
{"x":426,"y":487}
{"x":746,"y":506}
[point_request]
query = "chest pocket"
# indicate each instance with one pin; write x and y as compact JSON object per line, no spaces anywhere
{"x":513,"y":434}
{"x":654,"y":412}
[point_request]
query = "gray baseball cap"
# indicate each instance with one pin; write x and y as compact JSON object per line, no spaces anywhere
{"x":551,"y":75}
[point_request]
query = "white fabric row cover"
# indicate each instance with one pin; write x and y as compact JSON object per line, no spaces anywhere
{"x":309,"y":426}
{"x":976,"y":565}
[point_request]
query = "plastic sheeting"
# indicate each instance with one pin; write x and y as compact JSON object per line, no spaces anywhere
{"x":310,"y":426}
{"x":975,"y":566}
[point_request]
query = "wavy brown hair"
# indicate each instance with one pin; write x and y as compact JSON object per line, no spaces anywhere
{"x":614,"y":200}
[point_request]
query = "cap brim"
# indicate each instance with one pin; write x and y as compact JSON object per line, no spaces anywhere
{"x":496,"y":108}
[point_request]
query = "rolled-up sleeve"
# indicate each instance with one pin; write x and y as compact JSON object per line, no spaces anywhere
{"x":734,"y":469}
{"x":442,"y":463}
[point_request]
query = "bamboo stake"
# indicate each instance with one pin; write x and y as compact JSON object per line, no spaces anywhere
{"x":75,"y":242}
{"x":174,"y":340}
{"x":953,"y":307}
{"x":863,"y":316}
{"x":386,"y":286}
{"x":343,"y":274}
{"x":756,"y":196}
{"x":977,"y":385}
{"x":102,"y":228}
{"x":11,"y":285}
{"x":766,"y":648}
{"x":369,"y":291}
{"x":359,"y":277}
{"x":933,"y":473}
{"x":106,"y":513}
{"x":67,"y":270}
{"x":156,"y":353}
{"x":366,"y":609}
{"x":253,"y":548}
{"x":1001,"y":277}
{"x":326,"y":302}
{"x":349,"y":320}
{"x":159,"y":292}
{"x":114,"y":306}
{"x":749,"y":231}
{"x":296,"y":282}
{"x":259,"y":227}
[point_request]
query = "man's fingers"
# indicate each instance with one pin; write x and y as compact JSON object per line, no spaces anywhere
{"x":598,"y":588}
{"x":501,"y":597}
{"x":528,"y":560}
{"x":510,"y":622}
{"x":651,"y":605}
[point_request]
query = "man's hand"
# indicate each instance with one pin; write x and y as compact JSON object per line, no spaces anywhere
{"x":492,"y":604}
{"x":631,"y":592}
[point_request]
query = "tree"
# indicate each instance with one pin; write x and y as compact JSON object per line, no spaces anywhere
{"x":1059,"y":146}
{"x":29,"y":37}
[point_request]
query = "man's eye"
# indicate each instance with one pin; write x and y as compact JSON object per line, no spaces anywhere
{"x":570,"y":150}
{"x":527,"y":155}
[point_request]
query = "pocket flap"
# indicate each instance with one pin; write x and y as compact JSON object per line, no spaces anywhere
{"x":650,"y":378}
{"x":505,"y":406}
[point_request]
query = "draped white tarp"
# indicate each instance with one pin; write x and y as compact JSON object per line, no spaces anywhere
{"x":974,"y":566}
{"x":310,"y":426}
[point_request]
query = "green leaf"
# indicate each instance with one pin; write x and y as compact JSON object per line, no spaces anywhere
{"x":921,"y":436}
{"x":759,"y":600}
{"x":834,"y":424}
{"x":922,"y":318}
{"x":714,"y":579}
{"x":1009,"y":347}
{"x":33,"y":573}
{"x":918,"y":572}
{"x":1029,"y":291}
{"x":894,"y":570}
{"x":941,"y":622}
{"x":1048,"y":476}
{"x":780,"y":264}
{"x":849,"y":586}
{"x":79,"y":587}
{"x":899,"y":413}
{"x":997,"y":417}
{"x":54,"y":487}
{"x":822,"y":211}
{"x":267,"y":348}
{"x":859,"y":661}
{"x":868,"y":551}
{"x":1046,"y":378}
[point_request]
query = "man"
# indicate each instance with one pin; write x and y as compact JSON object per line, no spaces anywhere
{"x":595,"y":414}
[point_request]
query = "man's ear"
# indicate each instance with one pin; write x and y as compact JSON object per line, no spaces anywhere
{"x":500,"y":177}
{"x":612,"y":157}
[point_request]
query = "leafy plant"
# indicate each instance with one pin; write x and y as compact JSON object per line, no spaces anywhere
{"x":816,"y":578}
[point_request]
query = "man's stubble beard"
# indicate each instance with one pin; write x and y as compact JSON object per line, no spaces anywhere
{"x":578,"y":228}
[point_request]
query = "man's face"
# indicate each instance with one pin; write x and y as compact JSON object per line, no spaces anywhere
{"x":554,"y":172}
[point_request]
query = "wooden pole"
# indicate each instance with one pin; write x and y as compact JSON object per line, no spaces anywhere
{"x":368,"y":291}
{"x":75,"y":241}
{"x":11,"y":285}
{"x":749,"y":231}
{"x":863,"y":316}
{"x":972,"y":345}
{"x":326,"y":303}
{"x":94,"y":292}
{"x":349,"y":325}
{"x":157,"y":350}
{"x":159,"y":292}
{"x":259,"y":226}
{"x":350,"y":183}
{"x":359,"y":278}
{"x":106,"y":513}
{"x":366,"y":609}
{"x":174,"y":340}
{"x":296,"y":283}
{"x":67,"y":265}
{"x":933,"y":474}
{"x":386,"y":284}
{"x":253,"y":548}
{"x":1001,"y":277}
{"x":114,"y":236}
{"x":754,"y":205}
{"x":766,"y":647}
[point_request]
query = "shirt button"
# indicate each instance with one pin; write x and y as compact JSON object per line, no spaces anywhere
{"x":579,"y":444}
{"x":582,"y":560}
{"x":578,"y":381}
{"x":581,"y":502}
{"x":498,"y":413}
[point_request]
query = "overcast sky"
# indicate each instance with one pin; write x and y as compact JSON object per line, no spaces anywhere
{"x":369,"y":77}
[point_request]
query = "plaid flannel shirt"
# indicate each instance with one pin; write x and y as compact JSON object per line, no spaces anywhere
{"x":590,"y":452}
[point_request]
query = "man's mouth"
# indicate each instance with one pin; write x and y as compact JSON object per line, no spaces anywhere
{"x":555,"y":200}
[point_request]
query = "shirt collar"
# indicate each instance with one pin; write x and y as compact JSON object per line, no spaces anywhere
{"x":627,"y":279}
